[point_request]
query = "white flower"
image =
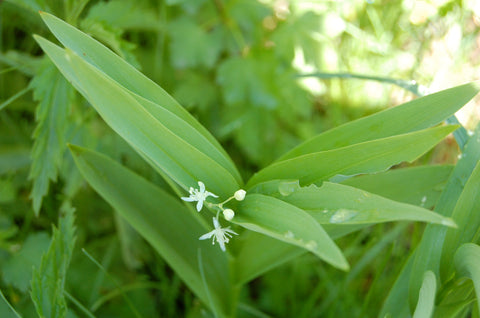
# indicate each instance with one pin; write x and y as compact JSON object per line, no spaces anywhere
{"x":222,"y":235}
{"x":198,"y":195}
{"x":228,"y":214}
{"x":240,"y":195}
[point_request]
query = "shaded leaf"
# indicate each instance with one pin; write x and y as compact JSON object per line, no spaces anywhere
{"x":48,"y":282}
{"x":164,"y":222}
{"x":54,"y":95}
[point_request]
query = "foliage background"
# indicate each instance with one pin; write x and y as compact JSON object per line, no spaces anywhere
{"x":235,"y":66}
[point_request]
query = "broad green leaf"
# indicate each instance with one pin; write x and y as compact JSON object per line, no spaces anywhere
{"x":466,"y":215}
{"x":339,"y":204}
{"x":467,"y":263}
{"x":412,"y":116}
{"x":260,"y":253}
{"x":131,"y":117}
{"x":164,"y":222}
{"x":290,"y":224}
{"x":366,"y":157}
{"x":128,"y":77}
{"x":416,"y":185}
{"x":429,"y":250}
{"x":54,"y":95}
{"x":48,"y":282}
{"x":426,"y":299}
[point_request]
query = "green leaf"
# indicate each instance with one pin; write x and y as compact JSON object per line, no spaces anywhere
{"x":429,"y":250}
{"x":164,"y":222}
{"x":290,"y":224}
{"x":120,"y":71}
{"x":191,"y":46}
{"x":367,"y":157}
{"x":17,"y":270}
{"x":416,"y":185}
{"x":467,"y":263}
{"x":176,"y":147}
{"x":418,"y":114}
{"x":260,"y":253}
{"x":467,"y":218}
{"x":426,"y":299}
{"x":54,"y":95}
{"x":339,"y":204}
{"x":48,"y":282}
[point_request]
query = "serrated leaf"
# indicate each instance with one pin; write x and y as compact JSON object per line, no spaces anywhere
{"x":412,"y":116}
{"x":290,"y":224}
{"x":367,"y":157}
{"x":48,"y":282}
{"x":164,"y":222}
{"x":54,"y":95}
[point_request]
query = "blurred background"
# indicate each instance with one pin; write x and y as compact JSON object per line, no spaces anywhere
{"x":262,"y":76}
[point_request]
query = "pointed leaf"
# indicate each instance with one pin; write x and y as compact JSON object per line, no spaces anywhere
{"x":102,"y":58}
{"x":290,"y":224}
{"x":164,"y":222}
{"x":161,"y":141}
{"x":367,"y":157}
{"x":418,"y":114}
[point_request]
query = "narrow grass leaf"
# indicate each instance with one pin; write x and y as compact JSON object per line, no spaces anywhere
{"x":467,"y":263}
{"x":426,"y":299}
{"x":102,"y":58}
{"x":290,"y":224}
{"x":415,"y":115}
{"x":53,"y":94}
{"x":48,"y":282}
{"x":368,"y":157}
{"x":466,"y":215}
{"x":429,"y":250}
{"x":163,"y":221}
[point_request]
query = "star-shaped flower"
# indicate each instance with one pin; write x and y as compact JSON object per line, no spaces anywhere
{"x":222,"y":235}
{"x":198,"y":195}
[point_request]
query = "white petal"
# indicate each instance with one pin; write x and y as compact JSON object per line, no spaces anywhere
{"x":202,"y":186}
{"x":188,"y":199}
{"x":206,"y":236}
{"x":199,"y":205}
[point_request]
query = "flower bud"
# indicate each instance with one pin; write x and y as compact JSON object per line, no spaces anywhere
{"x":240,"y":195}
{"x":228,"y":214}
